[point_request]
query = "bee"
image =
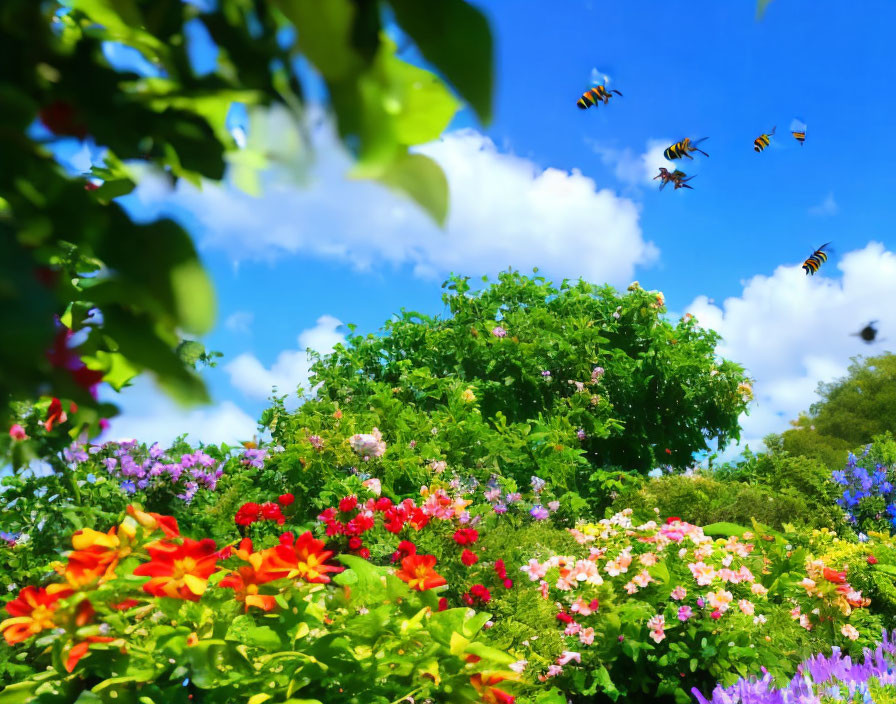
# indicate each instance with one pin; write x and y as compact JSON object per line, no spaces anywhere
{"x":677,"y":177}
{"x":814,"y":262}
{"x":684,"y":148}
{"x":867,"y":333}
{"x":598,"y":92}
{"x":593,"y":96}
{"x":798,"y":130}
{"x":763,"y":140}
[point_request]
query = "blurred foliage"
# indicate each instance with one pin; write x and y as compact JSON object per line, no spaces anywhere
{"x":574,"y":369}
{"x":129,"y":290}
{"x":850,"y":412}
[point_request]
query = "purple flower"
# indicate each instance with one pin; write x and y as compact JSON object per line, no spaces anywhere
{"x":316,"y":442}
{"x":538,"y":484}
{"x":539,"y":512}
{"x":546,"y":373}
{"x":128,"y":486}
{"x":700,"y":602}
{"x":597,"y":373}
{"x":498,"y":331}
{"x":110,"y":463}
{"x":500,"y":508}
{"x":580,"y":434}
{"x":156,"y":451}
{"x":9,"y":538}
{"x":75,"y":454}
{"x":255,"y":458}
{"x":554,"y":505}
{"x":513,"y":497}
{"x":684,"y":613}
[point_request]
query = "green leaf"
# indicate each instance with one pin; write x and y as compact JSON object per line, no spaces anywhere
{"x":725,"y":529}
{"x":419,"y":177}
{"x":486,"y":652}
{"x":20,"y":693}
{"x":455,"y":37}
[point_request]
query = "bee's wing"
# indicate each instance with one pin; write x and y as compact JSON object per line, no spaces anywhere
{"x":797,"y":125}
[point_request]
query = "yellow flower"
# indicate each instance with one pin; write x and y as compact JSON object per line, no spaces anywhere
{"x":468,"y":396}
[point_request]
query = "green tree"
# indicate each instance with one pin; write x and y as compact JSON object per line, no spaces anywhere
{"x":850,"y":412}
{"x":70,"y":252}
{"x":592,"y":370}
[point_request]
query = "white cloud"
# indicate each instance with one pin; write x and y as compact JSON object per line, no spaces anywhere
{"x":630,"y":168}
{"x":504,"y":211}
{"x":827,"y":207}
{"x":792,"y":331}
{"x":150,"y":416}
{"x":292,"y":367}
{"x":240,"y":321}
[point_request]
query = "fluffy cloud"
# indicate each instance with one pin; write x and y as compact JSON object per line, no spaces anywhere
{"x":827,"y":207}
{"x":631,"y":168}
{"x":149,"y":415}
{"x":292,"y":367}
{"x":504,"y":211}
{"x":792,"y":331}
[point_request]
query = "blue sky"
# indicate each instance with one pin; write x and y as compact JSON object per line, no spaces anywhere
{"x":729,"y":250}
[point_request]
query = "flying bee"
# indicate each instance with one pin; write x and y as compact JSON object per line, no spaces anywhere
{"x":798,"y":130}
{"x":763,"y":140}
{"x":684,"y":148}
{"x":598,"y":92}
{"x":677,"y":177}
{"x":815,"y":260}
{"x":867,"y":333}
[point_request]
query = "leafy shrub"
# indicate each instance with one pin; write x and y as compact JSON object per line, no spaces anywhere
{"x":702,"y":499}
{"x":551,"y":367}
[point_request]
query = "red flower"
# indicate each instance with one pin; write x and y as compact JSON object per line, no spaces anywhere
{"x":483,"y":683}
{"x":405,"y":549}
{"x":80,"y":650}
{"x":834,"y":576}
{"x":365,"y":553}
{"x":349,"y":503}
{"x":247,"y":514}
{"x":418,"y":572}
{"x":246,"y":580}
{"x":466,"y":536}
{"x":668,"y":451}
{"x":672,"y":519}
{"x":271,"y":512}
{"x":32,"y":612}
{"x":179,"y":571}
{"x":418,"y":519}
{"x":125,"y":605}
{"x":443,"y":604}
{"x":327,"y":515}
{"x":302,"y":557}
{"x":154,"y":521}
{"x":286,"y":499}
{"x":467,"y":599}
{"x":481,"y":593}
{"x":354,"y":543}
{"x":564,"y":617}
{"x":335,"y":528}
{"x":872,"y":560}
{"x":383,"y":504}
{"x":508,"y":584}
{"x":469,"y":558}
{"x":500,"y":569}
{"x":55,"y":414}
{"x":17,"y":432}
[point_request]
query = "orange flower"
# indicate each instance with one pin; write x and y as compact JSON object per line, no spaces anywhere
{"x":304,"y":557}
{"x":418,"y":572}
{"x":95,"y":557}
{"x":834,"y":576}
{"x":32,"y":612}
{"x":179,"y":571}
{"x":155,"y":521}
{"x":483,"y":683}
{"x":55,"y":414}
{"x":79,"y":650}
{"x":246,"y":579}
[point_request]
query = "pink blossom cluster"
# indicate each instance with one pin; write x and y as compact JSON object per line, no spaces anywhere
{"x":368,"y":445}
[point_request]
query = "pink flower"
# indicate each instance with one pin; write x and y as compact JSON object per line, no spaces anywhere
{"x":568,"y":656}
{"x":586,"y":571}
{"x":17,"y":432}
{"x":586,"y":637}
{"x":518,"y":666}
{"x":544,"y":586}
{"x":642,"y":579}
{"x":849,"y":631}
{"x":684,"y":613}
{"x":572,"y":629}
{"x":679,"y":593}
{"x":657,"y":623}
{"x":373,"y":485}
{"x":498,"y":331}
{"x":703,"y":573}
{"x":716,"y":615}
{"x":720,"y":599}
{"x":554,"y":670}
{"x":584,"y":608}
{"x":630,"y":588}
{"x":746,"y":607}
{"x":657,"y":636}
{"x":758,"y":620}
{"x":758,"y":589}
{"x":648,"y":559}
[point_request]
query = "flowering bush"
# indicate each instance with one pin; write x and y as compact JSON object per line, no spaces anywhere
{"x":869,"y":495}
{"x":141,"y":611}
{"x":650,"y":607}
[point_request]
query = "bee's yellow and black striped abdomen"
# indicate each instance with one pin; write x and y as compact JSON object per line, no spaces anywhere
{"x":800,"y":137}
{"x":761,"y":143}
